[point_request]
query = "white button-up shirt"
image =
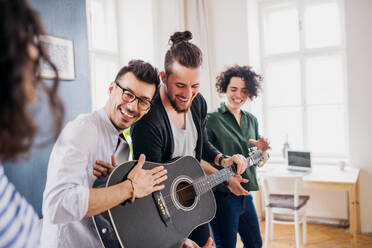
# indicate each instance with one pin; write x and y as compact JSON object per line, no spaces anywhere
{"x":88,"y":138}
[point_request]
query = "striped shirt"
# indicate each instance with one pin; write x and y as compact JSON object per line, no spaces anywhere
{"x":19,"y":224}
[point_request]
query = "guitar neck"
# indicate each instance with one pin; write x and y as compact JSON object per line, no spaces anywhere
{"x":205,"y":184}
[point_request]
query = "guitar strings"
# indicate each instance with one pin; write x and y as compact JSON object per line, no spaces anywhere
{"x":166,"y":196}
{"x":169,"y":203}
{"x":177,"y":191}
{"x":255,"y":157}
{"x":171,"y":206}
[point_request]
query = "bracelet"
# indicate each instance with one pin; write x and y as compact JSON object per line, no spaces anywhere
{"x":133,"y":194}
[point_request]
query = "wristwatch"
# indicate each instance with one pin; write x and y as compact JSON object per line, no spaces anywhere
{"x":220,"y":159}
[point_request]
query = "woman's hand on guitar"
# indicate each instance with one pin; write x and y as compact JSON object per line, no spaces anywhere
{"x":191,"y":244}
{"x":234,"y":185}
{"x":262,"y":144}
{"x":146,"y":181}
{"x":102,"y":168}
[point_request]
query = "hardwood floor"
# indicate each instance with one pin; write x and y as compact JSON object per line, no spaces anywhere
{"x":318,"y":236}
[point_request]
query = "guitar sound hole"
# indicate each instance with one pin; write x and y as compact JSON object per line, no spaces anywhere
{"x":185,"y":194}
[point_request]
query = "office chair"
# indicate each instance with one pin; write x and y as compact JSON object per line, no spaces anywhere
{"x":287,"y":204}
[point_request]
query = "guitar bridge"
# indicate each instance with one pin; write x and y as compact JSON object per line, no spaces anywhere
{"x":162,"y":207}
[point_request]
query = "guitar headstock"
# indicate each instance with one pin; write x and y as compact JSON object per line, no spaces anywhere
{"x":255,"y":156}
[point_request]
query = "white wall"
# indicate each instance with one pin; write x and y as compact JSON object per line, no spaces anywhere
{"x":228,"y":29}
{"x":168,"y":18}
{"x":136,"y":30}
{"x":358,"y":16}
{"x":229,"y":32}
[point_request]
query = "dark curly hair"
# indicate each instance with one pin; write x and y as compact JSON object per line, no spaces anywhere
{"x":182,"y":51}
{"x":143,"y":71}
{"x":20,"y":30}
{"x":252,"y":79}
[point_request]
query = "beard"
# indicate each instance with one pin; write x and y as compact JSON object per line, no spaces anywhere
{"x":177,"y":107}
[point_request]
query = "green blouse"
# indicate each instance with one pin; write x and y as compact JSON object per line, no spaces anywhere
{"x":227,"y":136}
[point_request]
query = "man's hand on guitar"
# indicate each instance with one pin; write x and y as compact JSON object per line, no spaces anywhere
{"x":146,"y":181}
{"x":102,"y":168}
{"x":234,"y":185}
{"x":191,"y":244}
{"x":239,"y":160}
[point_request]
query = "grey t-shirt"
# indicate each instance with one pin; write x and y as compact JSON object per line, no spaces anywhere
{"x":184,"y":139}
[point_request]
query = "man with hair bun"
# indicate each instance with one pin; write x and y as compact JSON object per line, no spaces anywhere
{"x":175,"y":124}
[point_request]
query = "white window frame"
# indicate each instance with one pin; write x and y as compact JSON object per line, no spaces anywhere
{"x":94,"y":52}
{"x":301,"y":55}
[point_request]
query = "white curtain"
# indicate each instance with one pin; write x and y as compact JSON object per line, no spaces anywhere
{"x":196,"y":19}
{"x":170,"y":16}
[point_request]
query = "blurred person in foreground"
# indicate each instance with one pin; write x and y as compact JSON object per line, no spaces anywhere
{"x":20,"y":56}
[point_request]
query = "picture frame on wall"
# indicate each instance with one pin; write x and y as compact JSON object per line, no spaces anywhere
{"x":61,"y":53}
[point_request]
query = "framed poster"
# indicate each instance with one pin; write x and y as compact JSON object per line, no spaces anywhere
{"x":61,"y":53}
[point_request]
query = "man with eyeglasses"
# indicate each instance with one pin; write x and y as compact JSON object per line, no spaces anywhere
{"x":69,"y":199}
{"x":129,"y":96}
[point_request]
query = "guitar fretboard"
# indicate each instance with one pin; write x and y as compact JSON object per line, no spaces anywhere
{"x":207,"y":183}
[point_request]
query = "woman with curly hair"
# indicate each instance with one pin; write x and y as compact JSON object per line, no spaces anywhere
{"x":20,"y":56}
{"x":233,"y":131}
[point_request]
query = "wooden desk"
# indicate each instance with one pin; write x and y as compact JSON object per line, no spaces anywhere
{"x":324,"y":176}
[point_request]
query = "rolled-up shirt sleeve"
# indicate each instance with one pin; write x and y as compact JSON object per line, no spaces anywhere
{"x":66,"y":195}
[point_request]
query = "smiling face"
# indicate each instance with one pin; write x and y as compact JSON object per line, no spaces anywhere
{"x":236,"y":93}
{"x":121,"y":113}
{"x":182,"y":85}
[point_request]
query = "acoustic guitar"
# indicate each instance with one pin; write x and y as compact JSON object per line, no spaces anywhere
{"x":163,"y":219}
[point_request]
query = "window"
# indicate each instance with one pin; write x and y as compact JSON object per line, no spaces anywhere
{"x":110,"y":49}
{"x":103,"y":48}
{"x":303,"y":61}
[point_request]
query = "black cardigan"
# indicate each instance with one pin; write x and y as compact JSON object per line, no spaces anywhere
{"x":152,"y":135}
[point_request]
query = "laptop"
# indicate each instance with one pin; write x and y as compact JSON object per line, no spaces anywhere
{"x":299,"y":161}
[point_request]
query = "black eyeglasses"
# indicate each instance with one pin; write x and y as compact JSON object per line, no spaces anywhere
{"x":129,"y":96}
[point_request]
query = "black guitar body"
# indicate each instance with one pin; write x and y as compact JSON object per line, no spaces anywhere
{"x":161,"y":220}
